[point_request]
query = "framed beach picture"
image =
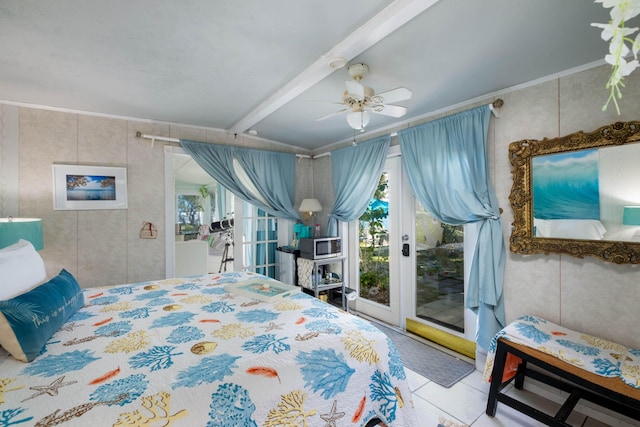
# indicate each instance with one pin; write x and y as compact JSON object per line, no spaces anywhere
{"x":89,"y":187}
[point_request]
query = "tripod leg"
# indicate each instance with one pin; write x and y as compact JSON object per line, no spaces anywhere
{"x":224,"y":257}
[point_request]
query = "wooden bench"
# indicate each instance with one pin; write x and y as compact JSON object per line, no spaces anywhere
{"x":611,"y":393}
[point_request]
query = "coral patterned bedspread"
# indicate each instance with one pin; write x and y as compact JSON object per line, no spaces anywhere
{"x":184,"y":352}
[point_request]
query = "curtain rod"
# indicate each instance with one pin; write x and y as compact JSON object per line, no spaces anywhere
{"x":492,"y":106}
{"x":496,"y":104}
{"x":155,"y":138}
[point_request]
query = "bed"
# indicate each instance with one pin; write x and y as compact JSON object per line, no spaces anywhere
{"x":589,"y":229}
{"x":185,"y":352}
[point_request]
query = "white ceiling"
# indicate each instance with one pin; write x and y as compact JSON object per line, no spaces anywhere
{"x":263,"y":65}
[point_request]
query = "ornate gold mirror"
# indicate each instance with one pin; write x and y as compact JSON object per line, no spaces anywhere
{"x":578,"y":194}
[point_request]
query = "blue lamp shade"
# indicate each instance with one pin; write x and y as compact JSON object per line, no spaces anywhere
{"x":631,"y":215}
{"x":14,"y":229}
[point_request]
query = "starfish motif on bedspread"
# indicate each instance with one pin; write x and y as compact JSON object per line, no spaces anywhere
{"x":51,"y":389}
{"x":271,"y":326}
{"x":332,"y":416}
{"x":69,"y":326}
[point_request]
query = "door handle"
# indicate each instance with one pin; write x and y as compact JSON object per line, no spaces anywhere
{"x":405,"y":249}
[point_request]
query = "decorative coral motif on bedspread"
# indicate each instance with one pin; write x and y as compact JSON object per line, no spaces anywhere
{"x":233,"y":330}
{"x":157,"y":411}
{"x":290,"y":411}
{"x":287,"y":305}
{"x":158,"y":357}
{"x":324,"y":370}
{"x":360,"y":347}
{"x":231,"y":406}
{"x":4,"y":387}
{"x":267,"y":342}
{"x":118,"y":306}
{"x":134,"y":341}
{"x":210,"y":369}
{"x":384,"y":392}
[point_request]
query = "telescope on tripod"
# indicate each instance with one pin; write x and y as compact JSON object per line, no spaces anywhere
{"x":222,"y":225}
{"x":224,"y":228}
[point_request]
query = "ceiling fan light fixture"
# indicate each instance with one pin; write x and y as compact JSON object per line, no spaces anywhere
{"x":358,"y":119}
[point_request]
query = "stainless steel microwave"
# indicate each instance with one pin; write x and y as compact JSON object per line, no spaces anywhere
{"x":320,"y":247}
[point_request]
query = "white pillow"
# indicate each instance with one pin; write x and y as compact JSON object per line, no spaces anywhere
{"x":590,"y":229}
{"x":21,"y":269}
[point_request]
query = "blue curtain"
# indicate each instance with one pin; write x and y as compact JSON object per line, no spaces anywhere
{"x":272,"y":173}
{"x":356,"y":172}
{"x":221,"y":201}
{"x":446,"y":165}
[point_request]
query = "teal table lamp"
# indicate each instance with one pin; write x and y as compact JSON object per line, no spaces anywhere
{"x":14,"y":229}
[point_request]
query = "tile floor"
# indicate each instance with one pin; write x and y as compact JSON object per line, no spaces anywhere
{"x":465,"y":403}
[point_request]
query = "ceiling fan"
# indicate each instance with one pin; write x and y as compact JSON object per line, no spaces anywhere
{"x":359,"y":99}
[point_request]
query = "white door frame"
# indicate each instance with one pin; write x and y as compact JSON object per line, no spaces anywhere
{"x":170,"y":213}
{"x":169,"y":208}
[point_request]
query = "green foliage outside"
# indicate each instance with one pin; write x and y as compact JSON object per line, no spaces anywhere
{"x":190,"y":207}
{"x":374,"y":249}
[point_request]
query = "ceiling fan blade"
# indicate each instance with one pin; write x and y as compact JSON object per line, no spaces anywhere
{"x":355,"y":89}
{"x":388,"y":110}
{"x":393,"y":95}
{"x":335,"y":113}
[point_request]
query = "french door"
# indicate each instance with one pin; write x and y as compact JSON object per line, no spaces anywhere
{"x":375,"y":239}
{"x":410,"y":268}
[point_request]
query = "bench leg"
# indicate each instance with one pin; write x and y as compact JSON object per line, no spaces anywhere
{"x":499,"y":362}
{"x":520,"y":374}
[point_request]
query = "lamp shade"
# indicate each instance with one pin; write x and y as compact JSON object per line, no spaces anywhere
{"x":358,"y":119}
{"x":310,"y":205}
{"x":631,"y":215}
{"x":14,"y":229}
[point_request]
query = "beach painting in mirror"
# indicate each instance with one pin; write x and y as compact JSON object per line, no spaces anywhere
{"x":566,"y":185}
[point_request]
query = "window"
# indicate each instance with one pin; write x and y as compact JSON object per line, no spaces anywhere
{"x":191,"y":214}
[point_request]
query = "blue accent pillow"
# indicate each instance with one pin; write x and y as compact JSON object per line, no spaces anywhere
{"x":30,"y":319}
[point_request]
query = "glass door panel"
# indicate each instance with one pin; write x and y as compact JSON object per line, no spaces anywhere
{"x":259,"y":240}
{"x":375,"y":239}
{"x":439,"y":252}
{"x":373,"y":236}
